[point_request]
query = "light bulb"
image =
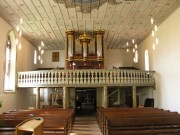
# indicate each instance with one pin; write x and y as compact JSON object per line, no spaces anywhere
{"x":42,"y":51}
{"x":41,"y":61}
{"x":17,"y":28}
{"x":157,"y":41}
{"x":152,"y":33}
{"x":134,"y":59}
{"x":42,"y":43}
{"x":21,"y":20}
{"x":136,"y":46}
{"x":133,"y":40}
{"x":127,"y":44}
{"x":39,"y":57}
{"x":155,"y":28}
{"x":152,"y":20}
{"x":74,"y":64}
{"x":39,"y":48}
{"x":133,"y":50}
{"x":127,"y":50}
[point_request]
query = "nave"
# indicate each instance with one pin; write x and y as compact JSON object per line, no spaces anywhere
{"x":85,"y":125}
{"x":106,"y":121}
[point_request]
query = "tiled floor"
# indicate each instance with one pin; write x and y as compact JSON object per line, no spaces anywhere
{"x":85,"y":125}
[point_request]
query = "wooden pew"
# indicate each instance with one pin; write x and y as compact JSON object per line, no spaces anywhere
{"x":138,"y":121}
{"x":57,"y":121}
{"x":142,"y":126}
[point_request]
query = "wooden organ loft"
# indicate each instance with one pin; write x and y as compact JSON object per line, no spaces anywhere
{"x":85,"y":69}
{"x":85,"y":52}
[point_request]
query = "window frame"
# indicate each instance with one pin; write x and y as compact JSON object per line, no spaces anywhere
{"x":10,"y":77}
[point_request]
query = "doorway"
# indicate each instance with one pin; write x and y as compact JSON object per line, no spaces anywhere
{"x":85,"y":100}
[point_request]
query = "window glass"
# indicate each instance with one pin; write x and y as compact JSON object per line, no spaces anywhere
{"x":146,"y":60}
{"x":35,"y":57}
{"x":10,"y":64}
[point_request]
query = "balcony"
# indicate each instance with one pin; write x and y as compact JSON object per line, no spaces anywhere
{"x":85,"y":78}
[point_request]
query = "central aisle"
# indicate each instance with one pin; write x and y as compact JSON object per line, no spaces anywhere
{"x":85,"y":125}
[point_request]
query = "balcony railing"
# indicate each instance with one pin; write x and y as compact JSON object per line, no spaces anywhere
{"x":85,"y":78}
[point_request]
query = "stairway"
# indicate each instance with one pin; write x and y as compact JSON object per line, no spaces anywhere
{"x":85,"y":125}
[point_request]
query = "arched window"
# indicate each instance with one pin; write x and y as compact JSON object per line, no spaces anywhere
{"x":10,"y":64}
{"x":146,"y":60}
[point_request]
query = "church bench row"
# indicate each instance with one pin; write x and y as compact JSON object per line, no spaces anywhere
{"x":56,"y":120}
{"x":138,"y":121}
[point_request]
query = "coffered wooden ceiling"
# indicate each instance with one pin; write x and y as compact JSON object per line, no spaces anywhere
{"x":122,"y":20}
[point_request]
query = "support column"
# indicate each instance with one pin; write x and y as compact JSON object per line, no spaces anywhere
{"x":38,"y":98}
{"x":68,"y":97}
{"x":64,"y":97}
{"x":105,"y":95}
{"x":134,"y":96}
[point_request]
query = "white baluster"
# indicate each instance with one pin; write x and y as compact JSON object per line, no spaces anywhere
{"x":59,"y":77}
{"x":146,"y":77}
{"x":114,"y":77}
{"x":142,"y":77}
{"x":103,"y":77}
{"x":63,"y":74}
{"x":134,"y":78}
{"x":107,"y":76}
{"x":95,"y":77}
{"x":74,"y":77}
{"x":30,"y":78}
{"x":81,"y":77}
{"x":55,"y":77}
{"x":121,"y":76}
{"x":128,"y":76}
{"x":70,"y":77}
{"x":124,"y":73}
{"x":49,"y":77}
{"x":118,"y":76}
{"x":92,"y":77}
{"x":41,"y":77}
{"x":100,"y":77}
{"x":77,"y":77}
{"x":22,"y":77}
{"x":139,"y":77}
{"x":84,"y":76}
{"x":89,"y":76}
{"x":110,"y":77}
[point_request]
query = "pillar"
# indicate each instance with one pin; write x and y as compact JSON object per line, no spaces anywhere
{"x":105,"y":95}
{"x":65,"y":94}
{"x":38,"y":98}
{"x":134,"y":96}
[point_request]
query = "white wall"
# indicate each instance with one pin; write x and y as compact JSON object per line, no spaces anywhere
{"x":165,"y":60}
{"x":47,"y":59}
{"x":113,"y":57}
{"x":118,"y":58}
{"x":24,"y":61}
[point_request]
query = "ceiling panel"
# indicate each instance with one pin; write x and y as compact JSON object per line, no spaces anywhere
{"x":122,"y":20}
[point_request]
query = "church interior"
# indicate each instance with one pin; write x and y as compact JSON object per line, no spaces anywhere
{"x":89,"y":67}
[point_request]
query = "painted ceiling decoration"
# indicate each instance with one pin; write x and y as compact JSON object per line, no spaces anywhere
{"x":122,"y":20}
{"x":87,"y":6}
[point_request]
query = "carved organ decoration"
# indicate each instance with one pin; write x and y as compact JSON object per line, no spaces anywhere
{"x":85,"y":51}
